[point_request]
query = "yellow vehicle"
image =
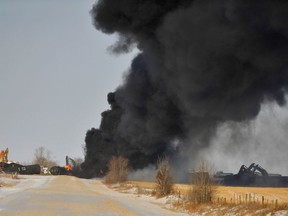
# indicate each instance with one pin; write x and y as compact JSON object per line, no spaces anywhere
{"x":9,"y":167}
{"x":4,"y":156}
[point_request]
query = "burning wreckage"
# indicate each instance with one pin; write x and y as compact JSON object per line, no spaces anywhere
{"x":253,"y":176}
{"x":68,"y":169}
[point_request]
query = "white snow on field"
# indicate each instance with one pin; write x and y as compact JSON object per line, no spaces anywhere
{"x":23,"y":182}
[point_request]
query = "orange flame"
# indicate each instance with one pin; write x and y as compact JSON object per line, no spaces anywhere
{"x":68,"y":167}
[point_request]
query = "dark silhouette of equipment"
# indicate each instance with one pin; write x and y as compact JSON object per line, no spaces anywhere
{"x":21,"y":169}
{"x":66,"y":170}
{"x":9,"y":167}
{"x":254,"y":175}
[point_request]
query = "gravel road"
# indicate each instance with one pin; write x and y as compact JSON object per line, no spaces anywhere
{"x":67,"y":195}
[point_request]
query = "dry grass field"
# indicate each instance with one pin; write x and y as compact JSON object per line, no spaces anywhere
{"x":233,"y":193}
{"x":8,"y":180}
{"x":230,"y":200}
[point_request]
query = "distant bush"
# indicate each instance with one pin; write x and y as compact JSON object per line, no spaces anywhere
{"x":117,"y":170}
{"x":164,"y":184}
{"x":203,"y":188}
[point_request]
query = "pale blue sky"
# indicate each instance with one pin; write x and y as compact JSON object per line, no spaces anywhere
{"x":55,"y":73}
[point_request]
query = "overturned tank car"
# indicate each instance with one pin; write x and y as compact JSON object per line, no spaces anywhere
{"x":21,"y":169}
{"x":68,"y":169}
{"x":252,"y":176}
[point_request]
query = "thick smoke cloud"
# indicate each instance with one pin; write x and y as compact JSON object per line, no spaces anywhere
{"x":263,"y":141}
{"x":202,"y":63}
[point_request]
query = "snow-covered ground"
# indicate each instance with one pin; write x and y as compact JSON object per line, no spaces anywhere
{"x":22,"y":183}
{"x":67,"y":195}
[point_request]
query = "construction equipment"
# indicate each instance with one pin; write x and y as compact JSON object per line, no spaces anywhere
{"x":254,"y":176}
{"x":3,"y":158}
{"x":4,"y":155}
{"x":66,"y":170}
{"x":9,"y":167}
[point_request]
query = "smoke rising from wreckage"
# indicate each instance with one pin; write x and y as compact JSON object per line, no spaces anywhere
{"x":202,"y":63}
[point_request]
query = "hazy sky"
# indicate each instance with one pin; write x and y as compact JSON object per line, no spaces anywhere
{"x":55,"y":73}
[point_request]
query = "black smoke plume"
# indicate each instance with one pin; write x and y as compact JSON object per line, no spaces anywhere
{"x":201,"y":63}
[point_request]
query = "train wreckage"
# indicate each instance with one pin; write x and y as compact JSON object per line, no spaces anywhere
{"x":68,"y":169}
{"x":11,"y":167}
{"x":252,"y":176}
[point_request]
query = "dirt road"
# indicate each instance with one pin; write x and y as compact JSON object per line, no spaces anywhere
{"x":66,"y":195}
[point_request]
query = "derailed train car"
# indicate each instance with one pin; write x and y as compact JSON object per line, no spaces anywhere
{"x":252,"y":176}
{"x":10,"y":167}
{"x":68,"y":169}
{"x":21,"y":169}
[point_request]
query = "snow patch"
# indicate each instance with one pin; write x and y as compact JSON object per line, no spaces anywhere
{"x":23,"y":183}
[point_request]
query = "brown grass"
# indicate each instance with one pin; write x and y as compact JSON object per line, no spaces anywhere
{"x":223,"y":191}
{"x":229,"y":209}
{"x":203,"y":189}
{"x":117,"y":170}
{"x":9,"y":175}
{"x":3,"y":183}
{"x":220,"y":206}
{"x":281,"y":194}
{"x":164,"y":185}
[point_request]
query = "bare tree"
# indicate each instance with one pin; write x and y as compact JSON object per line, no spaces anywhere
{"x":203,"y":188}
{"x":164,"y":184}
{"x":117,"y":170}
{"x":42,"y":157}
